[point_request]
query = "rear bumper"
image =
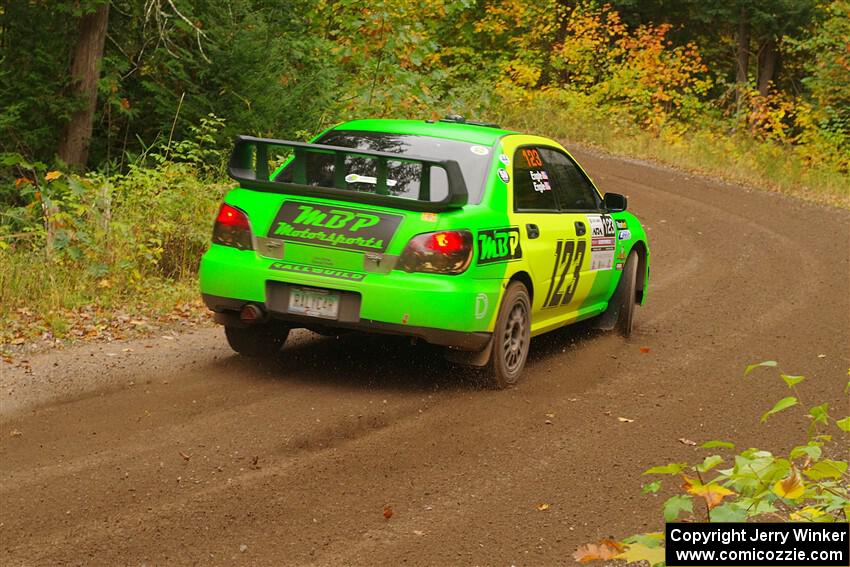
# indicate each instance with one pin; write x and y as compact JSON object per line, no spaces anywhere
{"x":455,"y":311}
{"x":227,"y":313}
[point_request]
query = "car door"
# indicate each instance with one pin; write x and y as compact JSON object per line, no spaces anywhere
{"x":555,"y":253}
{"x":581,"y":208}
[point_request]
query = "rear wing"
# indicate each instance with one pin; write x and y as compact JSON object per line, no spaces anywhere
{"x":249,"y":165}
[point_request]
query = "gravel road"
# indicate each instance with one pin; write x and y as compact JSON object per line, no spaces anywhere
{"x":178,"y":452}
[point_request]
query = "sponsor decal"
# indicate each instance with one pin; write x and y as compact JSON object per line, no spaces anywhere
{"x":429,"y":217}
{"x":482,"y":305}
{"x":498,"y":245}
{"x":601,"y":225}
{"x":624,"y":235}
{"x":503,"y":175}
{"x":335,"y":227}
{"x":619,"y":265}
{"x":622,"y":224}
{"x":354,"y":178}
{"x":479,"y":150}
{"x":540,"y":181}
{"x":316,"y":271}
{"x":621,"y":255}
{"x":504,"y":159}
{"x":602,"y":241}
{"x":569,"y":256}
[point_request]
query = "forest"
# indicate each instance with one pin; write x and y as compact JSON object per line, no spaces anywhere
{"x":117,"y":115}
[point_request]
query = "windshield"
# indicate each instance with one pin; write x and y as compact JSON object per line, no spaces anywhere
{"x":402,"y":178}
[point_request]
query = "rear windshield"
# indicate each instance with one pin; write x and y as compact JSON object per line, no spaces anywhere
{"x":402,"y":178}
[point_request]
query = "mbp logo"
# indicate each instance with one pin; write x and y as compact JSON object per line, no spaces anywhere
{"x":336,"y":227}
{"x":498,"y":245}
{"x":335,"y":218}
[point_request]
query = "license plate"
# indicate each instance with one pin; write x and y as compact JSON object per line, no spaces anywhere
{"x":313,"y":302}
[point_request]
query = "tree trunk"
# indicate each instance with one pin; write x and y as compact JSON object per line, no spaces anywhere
{"x":85,"y":72}
{"x":767,"y":65}
{"x":743,"y":58}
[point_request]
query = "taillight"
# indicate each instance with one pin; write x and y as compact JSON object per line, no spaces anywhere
{"x":444,"y":252}
{"x":232,"y":228}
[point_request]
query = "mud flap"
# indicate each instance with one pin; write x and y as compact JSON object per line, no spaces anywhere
{"x":470,"y":357}
{"x":608,"y":320}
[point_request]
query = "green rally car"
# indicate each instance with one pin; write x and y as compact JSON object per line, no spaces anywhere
{"x":459,"y":233}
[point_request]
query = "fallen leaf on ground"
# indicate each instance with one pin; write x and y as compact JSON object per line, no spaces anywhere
{"x":542,"y":507}
{"x":625,"y":419}
{"x":685,"y":441}
{"x":644,"y":349}
{"x":185,"y":456}
{"x":15,"y":433}
{"x":388,"y":512}
{"x":602,"y":551}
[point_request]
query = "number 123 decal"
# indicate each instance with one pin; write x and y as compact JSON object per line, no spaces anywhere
{"x":569,"y":256}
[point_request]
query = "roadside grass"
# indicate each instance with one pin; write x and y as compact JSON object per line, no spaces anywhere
{"x":42,"y":302}
{"x":736,"y":158}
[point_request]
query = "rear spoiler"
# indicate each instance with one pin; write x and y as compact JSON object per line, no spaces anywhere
{"x":249,"y":165}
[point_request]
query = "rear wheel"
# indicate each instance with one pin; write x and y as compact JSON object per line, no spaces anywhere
{"x":511,"y":337}
{"x":256,"y":341}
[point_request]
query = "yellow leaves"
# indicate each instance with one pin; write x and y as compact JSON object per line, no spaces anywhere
{"x":712,"y":494}
{"x":52,"y":176}
{"x":639,"y":552}
{"x":542,"y":507}
{"x":790,"y":487}
{"x":604,"y":550}
{"x":807,"y":514}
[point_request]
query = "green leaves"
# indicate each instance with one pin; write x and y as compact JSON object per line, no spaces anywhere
{"x":782,"y":404}
{"x":765,"y":364}
{"x":826,"y":469}
{"x":844,"y":424}
{"x":720,"y":444}
{"x":672,"y":468}
{"x":792,"y":380}
{"x":651,"y":487}
{"x":820,"y":414}
{"x":709,"y":463}
{"x":675,"y":505}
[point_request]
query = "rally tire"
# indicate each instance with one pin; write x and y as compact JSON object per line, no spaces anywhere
{"x":511,"y":338}
{"x":626,"y":296}
{"x":258,"y":341}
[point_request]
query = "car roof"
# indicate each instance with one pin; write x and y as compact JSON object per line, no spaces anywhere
{"x":462,"y":132}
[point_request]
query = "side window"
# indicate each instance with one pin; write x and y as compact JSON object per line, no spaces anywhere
{"x":574,"y":190}
{"x":532,"y":189}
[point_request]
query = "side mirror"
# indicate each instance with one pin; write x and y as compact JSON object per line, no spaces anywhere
{"x":615,"y":202}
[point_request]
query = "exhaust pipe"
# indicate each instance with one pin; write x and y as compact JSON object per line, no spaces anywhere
{"x":251,"y":314}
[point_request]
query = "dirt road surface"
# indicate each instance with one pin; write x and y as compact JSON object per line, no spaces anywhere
{"x":177,"y":452}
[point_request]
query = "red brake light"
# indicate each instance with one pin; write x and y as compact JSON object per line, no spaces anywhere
{"x":231,"y":216}
{"x":446,"y":242}
{"x":232,"y":228}
{"x":444,"y":252}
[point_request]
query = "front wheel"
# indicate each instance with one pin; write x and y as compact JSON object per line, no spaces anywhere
{"x":257,"y":341}
{"x":626,"y":296}
{"x":511,"y":337}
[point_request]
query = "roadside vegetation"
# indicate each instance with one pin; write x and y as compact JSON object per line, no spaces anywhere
{"x":810,"y":483}
{"x":116,"y":116}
